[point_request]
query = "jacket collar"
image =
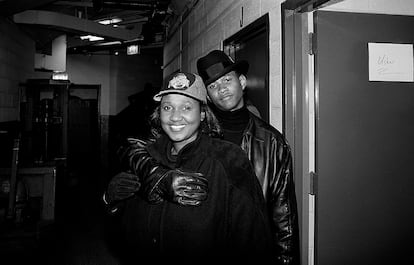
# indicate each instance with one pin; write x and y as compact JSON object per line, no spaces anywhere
{"x":161,"y":149}
{"x":253,"y":128}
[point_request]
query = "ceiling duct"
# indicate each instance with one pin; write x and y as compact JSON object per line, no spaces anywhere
{"x":144,"y":22}
{"x":73,"y":24}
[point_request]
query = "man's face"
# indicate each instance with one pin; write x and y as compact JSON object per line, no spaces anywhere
{"x":227,"y":91}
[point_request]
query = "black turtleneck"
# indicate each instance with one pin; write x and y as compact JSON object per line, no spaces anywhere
{"x":233,"y":123}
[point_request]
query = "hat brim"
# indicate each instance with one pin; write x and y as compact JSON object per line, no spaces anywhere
{"x":158,"y":96}
{"x":241,"y":67}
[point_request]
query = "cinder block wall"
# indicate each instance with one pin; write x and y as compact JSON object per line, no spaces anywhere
{"x":16,"y":65}
{"x":209,"y":22}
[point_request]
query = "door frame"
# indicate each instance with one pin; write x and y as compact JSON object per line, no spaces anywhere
{"x":300,"y":110}
{"x":295,"y":126}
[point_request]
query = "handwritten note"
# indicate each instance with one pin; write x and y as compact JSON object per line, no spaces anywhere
{"x":391,"y":62}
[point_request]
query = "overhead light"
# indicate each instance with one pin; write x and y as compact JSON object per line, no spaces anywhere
{"x":91,"y":38}
{"x":109,"y":43}
{"x":60,"y":76}
{"x":110,"y":21}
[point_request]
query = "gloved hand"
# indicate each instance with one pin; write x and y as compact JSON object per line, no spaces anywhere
{"x":184,"y":188}
{"x":122,"y":186}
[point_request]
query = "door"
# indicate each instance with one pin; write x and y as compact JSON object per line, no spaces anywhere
{"x":364,"y":144}
{"x":83,"y":139}
{"x":252,"y":44}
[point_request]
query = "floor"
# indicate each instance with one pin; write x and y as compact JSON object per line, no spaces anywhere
{"x":82,"y":233}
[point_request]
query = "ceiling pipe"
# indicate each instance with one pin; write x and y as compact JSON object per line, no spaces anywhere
{"x":124,"y":5}
{"x":127,"y":5}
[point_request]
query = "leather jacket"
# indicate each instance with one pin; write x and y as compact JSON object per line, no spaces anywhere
{"x":271,"y":157}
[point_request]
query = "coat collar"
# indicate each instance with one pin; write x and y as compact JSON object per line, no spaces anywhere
{"x":161,"y":150}
{"x":253,"y":128}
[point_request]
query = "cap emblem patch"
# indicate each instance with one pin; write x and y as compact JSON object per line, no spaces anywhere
{"x":180,"y":82}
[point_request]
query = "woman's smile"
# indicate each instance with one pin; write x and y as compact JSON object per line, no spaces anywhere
{"x":177,"y":128}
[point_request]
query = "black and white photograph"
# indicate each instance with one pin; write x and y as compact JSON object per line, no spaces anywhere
{"x":199,"y":132}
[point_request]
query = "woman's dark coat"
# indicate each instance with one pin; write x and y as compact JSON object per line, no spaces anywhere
{"x":231,"y":223}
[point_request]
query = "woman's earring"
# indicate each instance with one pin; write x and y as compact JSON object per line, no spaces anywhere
{"x":203,"y":115}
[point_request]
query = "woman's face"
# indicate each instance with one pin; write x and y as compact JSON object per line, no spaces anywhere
{"x":180,"y":118}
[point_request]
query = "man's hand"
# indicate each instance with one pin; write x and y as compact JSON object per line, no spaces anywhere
{"x":122,"y":186}
{"x":184,"y":188}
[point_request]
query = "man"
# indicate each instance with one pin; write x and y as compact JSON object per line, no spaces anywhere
{"x":266,"y":148}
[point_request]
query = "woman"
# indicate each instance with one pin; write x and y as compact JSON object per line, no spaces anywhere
{"x":231,"y":223}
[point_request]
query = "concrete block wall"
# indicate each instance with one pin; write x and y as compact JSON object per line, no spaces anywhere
{"x":16,"y":65}
{"x":209,"y":23}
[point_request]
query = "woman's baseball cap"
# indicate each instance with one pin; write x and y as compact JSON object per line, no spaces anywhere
{"x":183,"y":83}
{"x":216,"y":64}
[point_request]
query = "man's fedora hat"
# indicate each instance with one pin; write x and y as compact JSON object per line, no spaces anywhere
{"x":216,"y":64}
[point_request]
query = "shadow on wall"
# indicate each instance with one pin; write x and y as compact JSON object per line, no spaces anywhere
{"x":133,"y":121}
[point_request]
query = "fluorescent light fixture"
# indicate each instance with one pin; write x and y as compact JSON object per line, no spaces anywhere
{"x":91,"y":38}
{"x":60,"y":76}
{"x":109,"y":43}
{"x":110,"y":21}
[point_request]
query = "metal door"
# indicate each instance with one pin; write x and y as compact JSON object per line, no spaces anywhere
{"x":364,"y":144}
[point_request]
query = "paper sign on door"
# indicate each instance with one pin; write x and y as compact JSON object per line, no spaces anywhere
{"x":391,"y":62}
